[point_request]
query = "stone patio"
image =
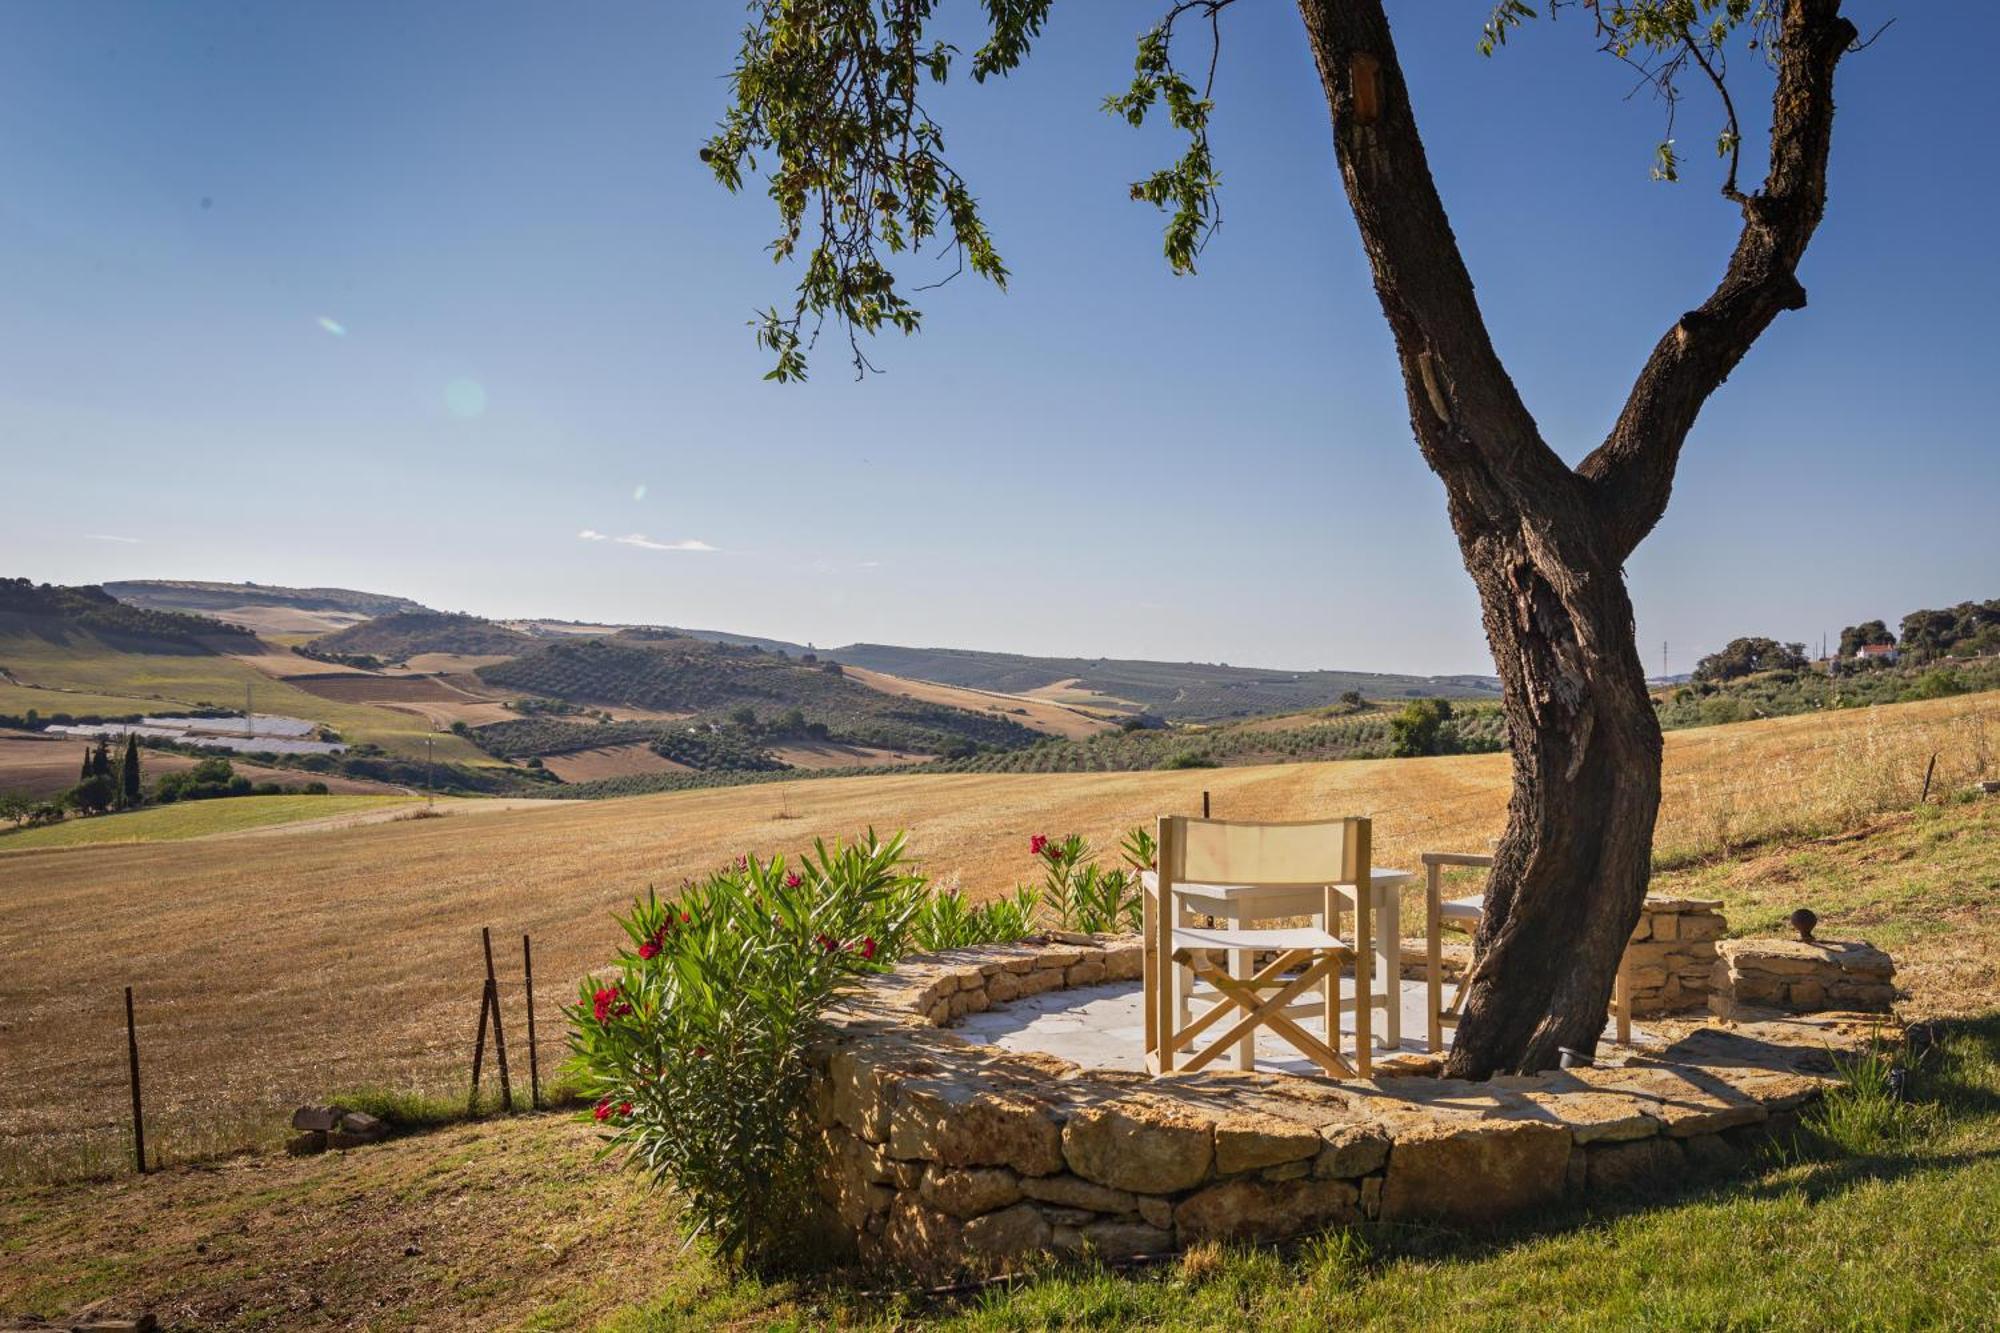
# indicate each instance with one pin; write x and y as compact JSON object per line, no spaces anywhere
{"x":940,"y":1154}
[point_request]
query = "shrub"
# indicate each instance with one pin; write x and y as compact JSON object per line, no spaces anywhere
{"x":1082,"y":894}
{"x":695,"y":1051}
{"x":946,"y":921}
{"x":1419,"y":728}
{"x":1189,"y":759}
{"x":1935,"y":684}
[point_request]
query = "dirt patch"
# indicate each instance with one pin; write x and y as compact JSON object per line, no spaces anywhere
{"x":279,"y":663}
{"x":829,"y":755}
{"x":284,"y":619}
{"x":458,"y":664}
{"x":472,"y":712}
{"x":610,"y":761}
{"x":1042,"y":715}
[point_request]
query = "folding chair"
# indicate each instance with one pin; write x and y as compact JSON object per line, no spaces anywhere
{"x":1465,"y":914}
{"x":1317,"y":855}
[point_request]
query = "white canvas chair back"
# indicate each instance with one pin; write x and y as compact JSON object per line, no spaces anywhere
{"x":1308,"y":854}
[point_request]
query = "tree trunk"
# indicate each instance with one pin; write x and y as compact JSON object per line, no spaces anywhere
{"x":1570,"y":873}
{"x":1546,"y":543}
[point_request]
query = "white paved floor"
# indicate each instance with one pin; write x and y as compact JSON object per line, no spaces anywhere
{"x":1103,"y":1027}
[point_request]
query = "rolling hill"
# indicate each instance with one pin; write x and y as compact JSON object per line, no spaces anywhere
{"x":268,"y":609}
{"x":401,"y":635}
{"x":767,"y":694}
{"x":1176,"y":691}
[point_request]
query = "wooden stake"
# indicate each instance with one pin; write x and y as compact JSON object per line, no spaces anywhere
{"x":1928,"y":772}
{"x":534,"y":1070}
{"x":479,"y":1046}
{"x":499,"y":1033}
{"x":138,"y":1110}
{"x":1204,"y":805}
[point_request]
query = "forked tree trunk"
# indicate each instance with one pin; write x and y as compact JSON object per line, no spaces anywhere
{"x":1546,"y":543}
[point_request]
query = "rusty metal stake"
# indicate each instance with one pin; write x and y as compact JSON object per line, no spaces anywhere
{"x":479,"y":1046}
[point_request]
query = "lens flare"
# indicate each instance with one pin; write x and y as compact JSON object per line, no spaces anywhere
{"x":639,"y":491}
{"x":333,"y":326}
{"x":465,"y":398}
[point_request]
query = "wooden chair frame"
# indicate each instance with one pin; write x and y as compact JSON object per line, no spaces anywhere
{"x":1441,"y":1015}
{"x":1311,"y":854}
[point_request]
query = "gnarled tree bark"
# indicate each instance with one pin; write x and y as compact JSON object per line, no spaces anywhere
{"x":1545,"y":544}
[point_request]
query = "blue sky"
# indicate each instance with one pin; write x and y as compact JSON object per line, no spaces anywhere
{"x":542,"y":303}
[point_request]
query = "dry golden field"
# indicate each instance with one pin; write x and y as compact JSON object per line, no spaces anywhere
{"x":288,"y":966}
{"x":1044,"y":715}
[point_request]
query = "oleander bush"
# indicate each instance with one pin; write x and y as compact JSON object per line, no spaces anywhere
{"x":692,"y":1045}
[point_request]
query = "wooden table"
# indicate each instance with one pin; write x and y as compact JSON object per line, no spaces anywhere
{"x":1240,"y":905}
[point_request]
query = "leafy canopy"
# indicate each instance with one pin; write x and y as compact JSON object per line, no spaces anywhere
{"x":828,"y":108}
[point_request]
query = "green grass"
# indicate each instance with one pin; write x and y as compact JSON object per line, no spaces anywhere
{"x":85,"y":676}
{"x":194,"y":819}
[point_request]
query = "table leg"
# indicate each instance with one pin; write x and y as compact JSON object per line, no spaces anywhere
{"x":1390,"y":924}
{"x":1240,"y":967}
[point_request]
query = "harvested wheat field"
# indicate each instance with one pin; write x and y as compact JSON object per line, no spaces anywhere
{"x":610,"y":761}
{"x":290,"y":966}
{"x":1044,"y":715}
{"x":814,"y":757}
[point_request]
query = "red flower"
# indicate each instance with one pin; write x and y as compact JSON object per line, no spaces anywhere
{"x":868,"y":947}
{"x":685,"y":918}
{"x":621,"y":1011}
{"x":649,"y":949}
{"x":792,"y":880}
{"x":826,"y":942}
{"x":602,"y":1111}
{"x":1036,"y":843}
{"x":600,"y":1006}
{"x":624,"y":1109}
{"x":700,"y":1051}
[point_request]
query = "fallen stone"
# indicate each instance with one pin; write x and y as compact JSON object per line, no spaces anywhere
{"x":317,"y":1117}
{"x":363,"y":1126}
{"x":302,"y":1145}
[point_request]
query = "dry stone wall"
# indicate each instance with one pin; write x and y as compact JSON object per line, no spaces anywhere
{"x":1670,"y":962}
{"x":1802,"y":976}
{"x":939,"y":1155}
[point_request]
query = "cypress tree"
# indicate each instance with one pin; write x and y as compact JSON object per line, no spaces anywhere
{"x":100,"y":762}
{"x":129,"y":774}
{"x":87,"y":767}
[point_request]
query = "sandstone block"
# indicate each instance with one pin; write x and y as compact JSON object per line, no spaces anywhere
{"x":1010,"y":1234}
{"x":1002,"y":987}
{"x":363,"y":1126}
{"x":1633,"y":1165}
{"x":1086,"y":973}
{"x":1123,"y":962}
{"x":1248,"y":1142}
{"x":302,"y":1145}
{"x":1156,"y":1212}
{"x":1349,"y":1150}
{"x":1118,"y":1240}
{"x":1143,"y":1144}
{"x":1474,"y":1170}
{"x":954,"y":1124}
{"x":1071,"y":1192}
{"x":317,"y":1117}
{"x":1259,"y":1210}
{"x":969,"y":1191}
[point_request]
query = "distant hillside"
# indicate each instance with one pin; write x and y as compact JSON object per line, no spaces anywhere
{"x":54,"y":614}
{"x":657,"y":670}
{"x":265,"y":609}
{"x":1178,"y":691}
{"x":401,"y":635}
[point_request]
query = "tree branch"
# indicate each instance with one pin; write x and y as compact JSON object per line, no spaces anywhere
{"x":1632,"y":472}
{"x":1469,"y":419}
